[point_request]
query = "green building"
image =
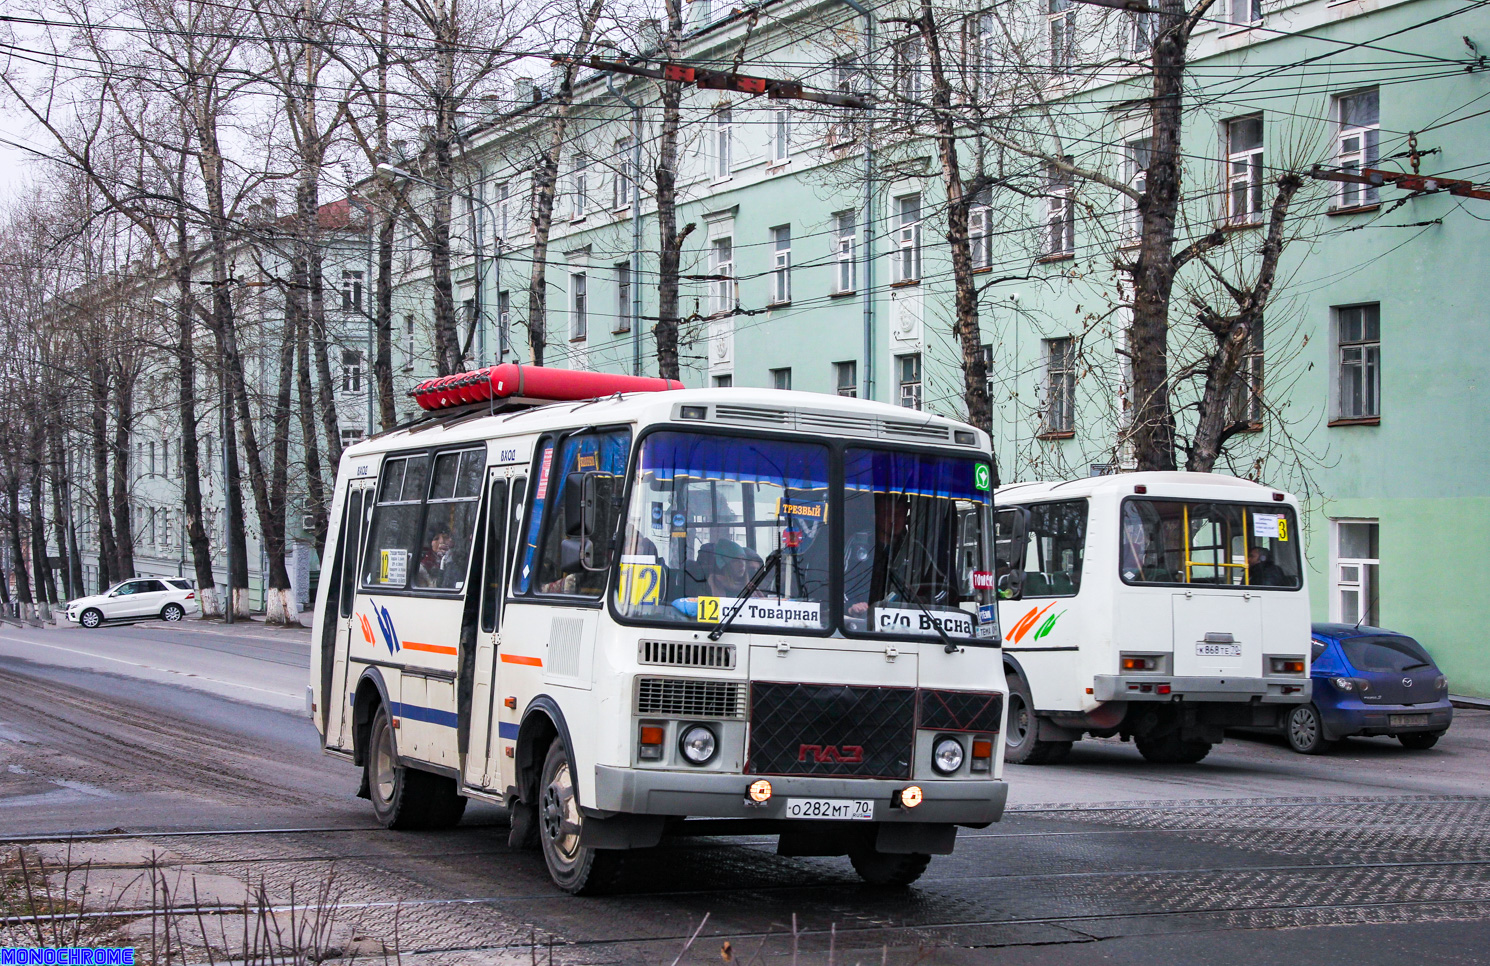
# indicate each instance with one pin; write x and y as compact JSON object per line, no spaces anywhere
{"x":1348,"y":394}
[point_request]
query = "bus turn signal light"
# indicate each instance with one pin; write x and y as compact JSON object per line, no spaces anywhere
{"x":1140,"y":663}
{"x":759,"y":791}
{"x":982,"y":755}
{"x":650,"y":745}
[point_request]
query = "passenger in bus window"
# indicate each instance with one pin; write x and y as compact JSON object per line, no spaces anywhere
{"x":1262,"y":572}
{"x":733,"y":567}
{"x":434,"y":564}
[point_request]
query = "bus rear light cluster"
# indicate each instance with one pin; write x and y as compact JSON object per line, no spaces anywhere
{"x":650,"y":741}
{"x":1140,"y":664}
{"x":1150,"y":688}
{"x":1286,"y":665}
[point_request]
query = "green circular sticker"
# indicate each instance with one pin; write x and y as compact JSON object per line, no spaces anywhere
{"x":981,"y":476}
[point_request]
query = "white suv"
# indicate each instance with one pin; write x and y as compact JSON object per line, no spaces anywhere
{"x":143,"y":598}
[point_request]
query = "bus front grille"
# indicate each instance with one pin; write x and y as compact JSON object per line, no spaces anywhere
{"x":688,"y":698}
{"x":687,"y":654}
{"x":826,"y":729}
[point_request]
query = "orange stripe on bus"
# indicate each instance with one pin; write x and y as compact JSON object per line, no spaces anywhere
{"x":431,"y":648}
{"x":522,"y":659}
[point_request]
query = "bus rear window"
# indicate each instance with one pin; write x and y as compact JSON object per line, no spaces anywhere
{"x":1184,"y":543}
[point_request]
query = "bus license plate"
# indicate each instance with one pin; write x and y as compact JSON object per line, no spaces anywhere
{"x":842,"y":809}
{"x":1218,"y":650}
{"x":1406,"y":720}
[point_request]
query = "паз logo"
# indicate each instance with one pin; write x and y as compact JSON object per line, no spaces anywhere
{"x":835,"y":754}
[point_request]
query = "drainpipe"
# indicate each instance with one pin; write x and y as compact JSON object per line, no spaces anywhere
{"x":636,"y":224}
{"x":867,"y":276}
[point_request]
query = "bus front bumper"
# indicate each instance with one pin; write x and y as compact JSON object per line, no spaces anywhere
{"x":1147,"y":687}
{"x":639,"y":791}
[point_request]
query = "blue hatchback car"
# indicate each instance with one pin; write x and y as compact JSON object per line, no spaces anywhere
{"x":1370,"y":681}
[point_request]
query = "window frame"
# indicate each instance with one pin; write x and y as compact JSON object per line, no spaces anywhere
{"x":845,"y":252}
{"x":1365,"y":154}
{"x":907,"y":255}
{"x":1060,"y":399}
{"x":579,"y":306}
{"x":1250,"y":176}
{"x":1288,"y":509}
{"x":851,"y":368}
{"x":916,"y":386}
{"x":1367,"y":578}
{"x":1367,"y":363}
{"x":1086,"y":501}
{"x":781,"y":135}
{"x":1059,"y":235}
{"x":781,"y":265}
{"x":1060,"y":22}
{"x":782,"y":378}
{"x":623,"y":297}
{"x":722,"y":131}
{"x":721,"y":295}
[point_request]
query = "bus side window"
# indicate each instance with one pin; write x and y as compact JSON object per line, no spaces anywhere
{"x":496,"y":543}
{"x":515,"y":523}
{"x":351,"y":535}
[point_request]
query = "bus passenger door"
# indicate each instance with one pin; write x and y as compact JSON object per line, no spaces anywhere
{"x":349,"y":551}
{"x":480,"y":769}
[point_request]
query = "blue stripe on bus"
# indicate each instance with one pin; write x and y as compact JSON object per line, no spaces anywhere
{"x":431,"y":715}
{"x":507,"y":730}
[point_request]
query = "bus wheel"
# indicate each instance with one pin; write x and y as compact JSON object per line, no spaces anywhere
{"x":404,"y":798}
{"x":1171,"y":749}
{"x":1022,"y":745}
{"x":574,"y":868}
{"x":889,"y":869}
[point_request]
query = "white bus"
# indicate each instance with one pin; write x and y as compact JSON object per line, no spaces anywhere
{"x":1161,"y":607}
{"x":691,"y":611}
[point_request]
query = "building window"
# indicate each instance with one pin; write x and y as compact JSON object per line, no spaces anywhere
{"x":724,"y":382}
{"x":724,"y":137}
{"x":909,"y":85}
{"x":1060,"y":386}
{"x":1358,"y":335}
{"x":504,"y":211}
{"x":1244,"y":13}
{"x":781,"y":135}
{"x":847,"y":80}
{"x":623,"y":297}
{"x":1357,"y":562}
{"x":781,"y":264}
{"x":985,"y":351}
{"x":579,"y":307}
{"x":845,"y":262}
{"x":1060,"y":213}
{"x":1060,"y":17}
{"x":846,"y":378}
{"x":350,"y":437}
{"x":1137,"y":154}
{"x":1143,"y":33}
{"x":408,"y":342}
{"x":151,"y":448}
{"x":908,"y":238}
{"x":722,"y":254}
{"x":581,"y":185}
{"x":621,"y":184}
{"x":781,"y":378}
{"x":980,"y":230}
{"x":208,"y":460}
{"x":1244,"y":169}
{"x":504,"y":321}
{"x":908,"y":376}
{"x":351,"y":291}
{"x":1246,"y":386}
{"x":351,"y":370}
{"x":1360,"y":128}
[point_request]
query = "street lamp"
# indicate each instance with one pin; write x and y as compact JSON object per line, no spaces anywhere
{"x":390,"y":172}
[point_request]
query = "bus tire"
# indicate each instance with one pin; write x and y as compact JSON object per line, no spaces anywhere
{"x":1171,"y":749}
{"x":1022,"y":744}
{"x":577,"y":869}
{"x":888,"y":869}
{"x":405,"y":798}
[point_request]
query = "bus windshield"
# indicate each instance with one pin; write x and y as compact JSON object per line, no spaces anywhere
{"x":913,"y":555}
{"x":1230,"y":544}
{"x":707,"y":512}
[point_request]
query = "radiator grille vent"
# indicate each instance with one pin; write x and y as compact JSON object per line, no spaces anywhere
{"x":688,"y":654}
{"x":836,"y":423}
{"x":686,"y":698}
{"x":915,"y":430}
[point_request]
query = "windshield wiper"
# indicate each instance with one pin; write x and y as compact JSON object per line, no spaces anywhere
{"x":773,"y":558}
{"x":936,"y":625}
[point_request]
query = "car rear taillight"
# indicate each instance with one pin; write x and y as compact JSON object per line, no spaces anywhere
{"x":1441,"y":683}
{"x":192,"y":596}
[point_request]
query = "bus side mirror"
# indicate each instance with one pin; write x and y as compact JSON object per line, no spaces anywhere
{"x":597,"y":524}
{"x":1011,"y":542}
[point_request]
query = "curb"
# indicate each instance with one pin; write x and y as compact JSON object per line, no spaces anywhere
{"x":1463,"y":701}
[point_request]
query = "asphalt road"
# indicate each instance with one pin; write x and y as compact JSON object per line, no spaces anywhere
{"x":151,"y":734}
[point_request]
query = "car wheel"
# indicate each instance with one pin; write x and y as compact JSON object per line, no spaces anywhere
{"x":575,"y":868}
{"x":888,"y":869}
{"x":1171,"y":749}
{"x":91,"y":618}
{"x":1420,"y":740}
{"x":406,"y":798}
{"x":1022,"y":745}
{"x":1305,"y":731}
{"x":172,"y":613}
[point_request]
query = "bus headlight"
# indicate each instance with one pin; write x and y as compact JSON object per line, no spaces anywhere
{"x":698,"y":744}
{"x":946,"y":755}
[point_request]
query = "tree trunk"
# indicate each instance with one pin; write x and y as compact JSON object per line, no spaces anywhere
{"x":46,"y":585}
{"x":279,"y":605}
{"x":57,"y":473}
{"x":108,"y":548}
{"x":233,"y":516}
{"x":669,"y":243}
{"x":447,"y":337}
{"x":124,"y":556}
{"x":383,"y":325}
{"x":18,"y":558}
{"x":315,"y":490}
